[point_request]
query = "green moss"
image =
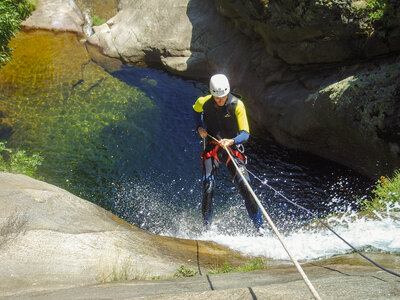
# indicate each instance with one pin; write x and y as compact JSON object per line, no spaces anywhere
{"x":365,"y":96}
{"x":18,"y":161}
{"x":256,"y":264}
{"x":96,"y":21}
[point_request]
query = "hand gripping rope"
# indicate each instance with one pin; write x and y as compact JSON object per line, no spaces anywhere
{"x":299,"y":268}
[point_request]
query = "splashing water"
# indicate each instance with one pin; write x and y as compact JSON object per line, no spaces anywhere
{"x":88,"y":26}
{"x":124,"y":140}
{"x":378,"y":233}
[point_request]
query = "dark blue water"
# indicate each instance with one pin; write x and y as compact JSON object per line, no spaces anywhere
{"x":159,"y":187}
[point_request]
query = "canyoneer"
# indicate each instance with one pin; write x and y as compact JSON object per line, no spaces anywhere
{"x":221,"y":120}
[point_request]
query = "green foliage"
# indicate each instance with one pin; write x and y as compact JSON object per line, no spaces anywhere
{"x":224,"y":268}
{"x":376,"y":9}
{"x":96,"y":21}
{"x":12,"y":13}
{"x":256,"y":264}
{"x":18,"y":161}
{"x":387,"y":190}
{"x":384,"y":13}
{"x":185,"y":272}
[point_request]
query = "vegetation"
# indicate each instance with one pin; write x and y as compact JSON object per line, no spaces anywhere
{"x":117,"y":275}
{"x":386,"y":191}
{"x":384,"y":12}
{"x":376,"y":9}
{"x":257,"y":264}
{"x":185,"y":272}
{"x":96,"y":21}
{"x":18,"y":161}
{"x":12,"y":13}
{"x":125,"y":272}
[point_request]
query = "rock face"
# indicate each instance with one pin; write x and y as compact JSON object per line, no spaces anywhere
{"x":354,"y":112}
{"x":57,"y":15}
{"x":174,"y":34}
{"x":332,"y":281}
{"x":51,"y":239}
{"x":313,"y":74}
{"x":310,"y":31}
{"x":330,"y":53}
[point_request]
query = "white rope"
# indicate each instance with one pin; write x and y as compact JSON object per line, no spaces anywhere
{"x":299,"y":268}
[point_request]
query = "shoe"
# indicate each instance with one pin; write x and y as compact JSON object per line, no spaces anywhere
{"x":261,"y":231}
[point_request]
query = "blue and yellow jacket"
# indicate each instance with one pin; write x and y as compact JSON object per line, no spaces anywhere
{"x":228,"y":121}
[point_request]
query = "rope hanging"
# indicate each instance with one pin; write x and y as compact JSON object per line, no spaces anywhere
{"x":295,"y":262}
{"x":327,"y":226}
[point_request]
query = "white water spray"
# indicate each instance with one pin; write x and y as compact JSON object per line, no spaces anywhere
{"x":378,"y":232}
{"x":143,"y":204}
{"x":88,"y":26}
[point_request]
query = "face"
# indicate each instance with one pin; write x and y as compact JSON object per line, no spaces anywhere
{"x":220,"y":100}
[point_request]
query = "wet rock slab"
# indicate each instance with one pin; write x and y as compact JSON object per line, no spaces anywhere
{"x":51,"y":239}
{"x":331,"y":281}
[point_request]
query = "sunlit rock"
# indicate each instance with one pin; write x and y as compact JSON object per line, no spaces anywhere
{"x":50,"y":239}
{"x":56,"y":15}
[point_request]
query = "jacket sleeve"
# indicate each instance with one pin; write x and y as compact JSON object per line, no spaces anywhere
{"x":242,"y":137}
{"x":243,"y":124}
{"x":241,"y":117}
{"x":198,"y":109}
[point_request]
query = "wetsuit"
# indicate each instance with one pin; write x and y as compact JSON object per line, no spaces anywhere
{"x":230,"y":122}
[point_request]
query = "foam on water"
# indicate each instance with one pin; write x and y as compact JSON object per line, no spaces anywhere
{"x":378,"y":233}
{"x":144,"y":204}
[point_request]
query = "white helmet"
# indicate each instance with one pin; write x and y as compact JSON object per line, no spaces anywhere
{"x":219,"y":85}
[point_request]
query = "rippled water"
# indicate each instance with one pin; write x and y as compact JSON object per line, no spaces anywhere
{"x":125,"y":141}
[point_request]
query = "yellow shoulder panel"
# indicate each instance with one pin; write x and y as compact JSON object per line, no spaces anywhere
{"x":241,"y":116}
{"x":198,"y":105}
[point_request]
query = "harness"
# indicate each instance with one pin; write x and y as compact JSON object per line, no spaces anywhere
{"x":214,"y":153}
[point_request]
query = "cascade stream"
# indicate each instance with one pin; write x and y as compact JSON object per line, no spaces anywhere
{"x":125,"y":140}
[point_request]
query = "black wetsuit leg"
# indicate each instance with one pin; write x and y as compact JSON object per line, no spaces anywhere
{"x":251,"y":205}
{"x":210,"y":166}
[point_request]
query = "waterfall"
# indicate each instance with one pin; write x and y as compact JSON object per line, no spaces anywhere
{"x":88,"y":26}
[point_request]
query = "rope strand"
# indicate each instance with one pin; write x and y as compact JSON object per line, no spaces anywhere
{"x":326,"y":225}
{"x":299,"y":268}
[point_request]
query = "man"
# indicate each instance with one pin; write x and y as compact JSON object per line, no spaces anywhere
{"x":222,"y":116}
